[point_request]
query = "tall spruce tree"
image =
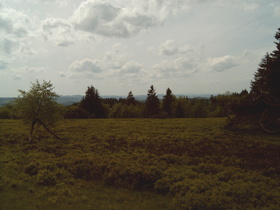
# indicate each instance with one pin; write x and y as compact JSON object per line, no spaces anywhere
{"x":152,"y":103}
{"x":168,"y":99}
{"x":266,"y":84}
{"x":130,"y":100}
{"x":265,"y":90}
{"x":92,"y":104}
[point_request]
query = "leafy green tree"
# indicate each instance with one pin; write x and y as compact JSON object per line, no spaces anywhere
{"x":8,"y":111}
{"x":168,"y":99}
{"x":152,"y":103}
{"x":74,"y":111}
{"x":179,"y":109}
{"x":38,"y":106}
{"x":92,"y":103}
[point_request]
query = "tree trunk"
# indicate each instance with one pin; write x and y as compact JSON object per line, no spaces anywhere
{"x":49,"y":130}
{"x":32,"y":129}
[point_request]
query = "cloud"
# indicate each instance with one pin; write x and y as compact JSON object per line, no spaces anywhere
{"x":250,"y":6}
{"x":277,"y":11}
{"x":223,"y":63}
{"x":3,"y":65}
{"x":59,"y":31}
{"x":21,"y":72}
{"x":16,"y":29}
{"x":14,"y":23}
{"x":132,"y":67}
{"x":86,"y":66}
{"x":179,"y":67}
{"x":62,"y":74}
{"x":170,"y":48}
{"x":116,"y":19}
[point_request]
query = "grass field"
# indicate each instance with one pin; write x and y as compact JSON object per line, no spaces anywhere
{"x":138,"y":164}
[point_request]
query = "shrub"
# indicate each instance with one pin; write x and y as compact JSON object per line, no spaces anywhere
{"x":46,"y":178}
{"x":32,"y":169}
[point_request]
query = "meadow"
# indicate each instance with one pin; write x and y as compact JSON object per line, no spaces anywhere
{"x":138,"y":164}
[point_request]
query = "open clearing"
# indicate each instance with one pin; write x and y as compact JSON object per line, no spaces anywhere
{"x":138,"y":164}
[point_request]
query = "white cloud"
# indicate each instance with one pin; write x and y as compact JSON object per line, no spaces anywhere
{"x":116,"y":19}
{"x":180,"y":67}
{"x":16,"y":29}
{"x":222,"y":63}
{"x":59,"y":31}
{"x":14,"y":23}
{"x":132,"y":67}
{"x":170,"y":48}
{"x":86,"y":66}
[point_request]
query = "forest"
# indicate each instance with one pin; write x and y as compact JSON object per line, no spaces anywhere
{"x":220,"y":152}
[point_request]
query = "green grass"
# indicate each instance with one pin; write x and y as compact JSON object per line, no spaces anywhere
{"x":138,"y":164}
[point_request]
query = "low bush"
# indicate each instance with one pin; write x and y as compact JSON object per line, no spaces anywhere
{"x":46,"y":178}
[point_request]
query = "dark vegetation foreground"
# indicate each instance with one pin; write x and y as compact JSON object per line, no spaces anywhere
{"x":138,"y":164}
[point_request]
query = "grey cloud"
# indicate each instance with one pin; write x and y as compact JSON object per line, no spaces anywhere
{"x":3,"y":65}
{"x":62,"y":74}
{"x":8,"y":45}
{"x":223,"y":63}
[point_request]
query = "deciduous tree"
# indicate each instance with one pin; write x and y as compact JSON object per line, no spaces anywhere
{"x":38,"y":106}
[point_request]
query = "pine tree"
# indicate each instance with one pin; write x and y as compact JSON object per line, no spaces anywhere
{"x":152,"y":103}
{"x":130,"y":100}
{"x":266,"y":84}
{"x":168,"y":99}
{"x":92,"y":104}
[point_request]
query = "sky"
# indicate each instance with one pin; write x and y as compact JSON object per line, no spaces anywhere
{"x":190,"y":46}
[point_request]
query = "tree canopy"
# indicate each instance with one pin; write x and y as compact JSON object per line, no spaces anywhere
{"x":38,"y":106}
{"x":92,"y":103}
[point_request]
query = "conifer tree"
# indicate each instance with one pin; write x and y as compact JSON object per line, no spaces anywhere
{"x":152,"y":103}
{"x":92,"y":104}
{"x":168,"y":99}
{"x":266,"y":84}
{"x":130,"y":100}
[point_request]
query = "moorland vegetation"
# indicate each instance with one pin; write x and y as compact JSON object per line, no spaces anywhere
{"x":168,"y":163}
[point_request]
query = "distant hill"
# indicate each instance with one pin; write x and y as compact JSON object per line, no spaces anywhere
{"x":70,"y":99}
{"x":5,"y":100}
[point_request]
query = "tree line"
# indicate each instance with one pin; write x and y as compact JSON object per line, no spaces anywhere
{"x":93,"y":106}
{"x":260,"y":106}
